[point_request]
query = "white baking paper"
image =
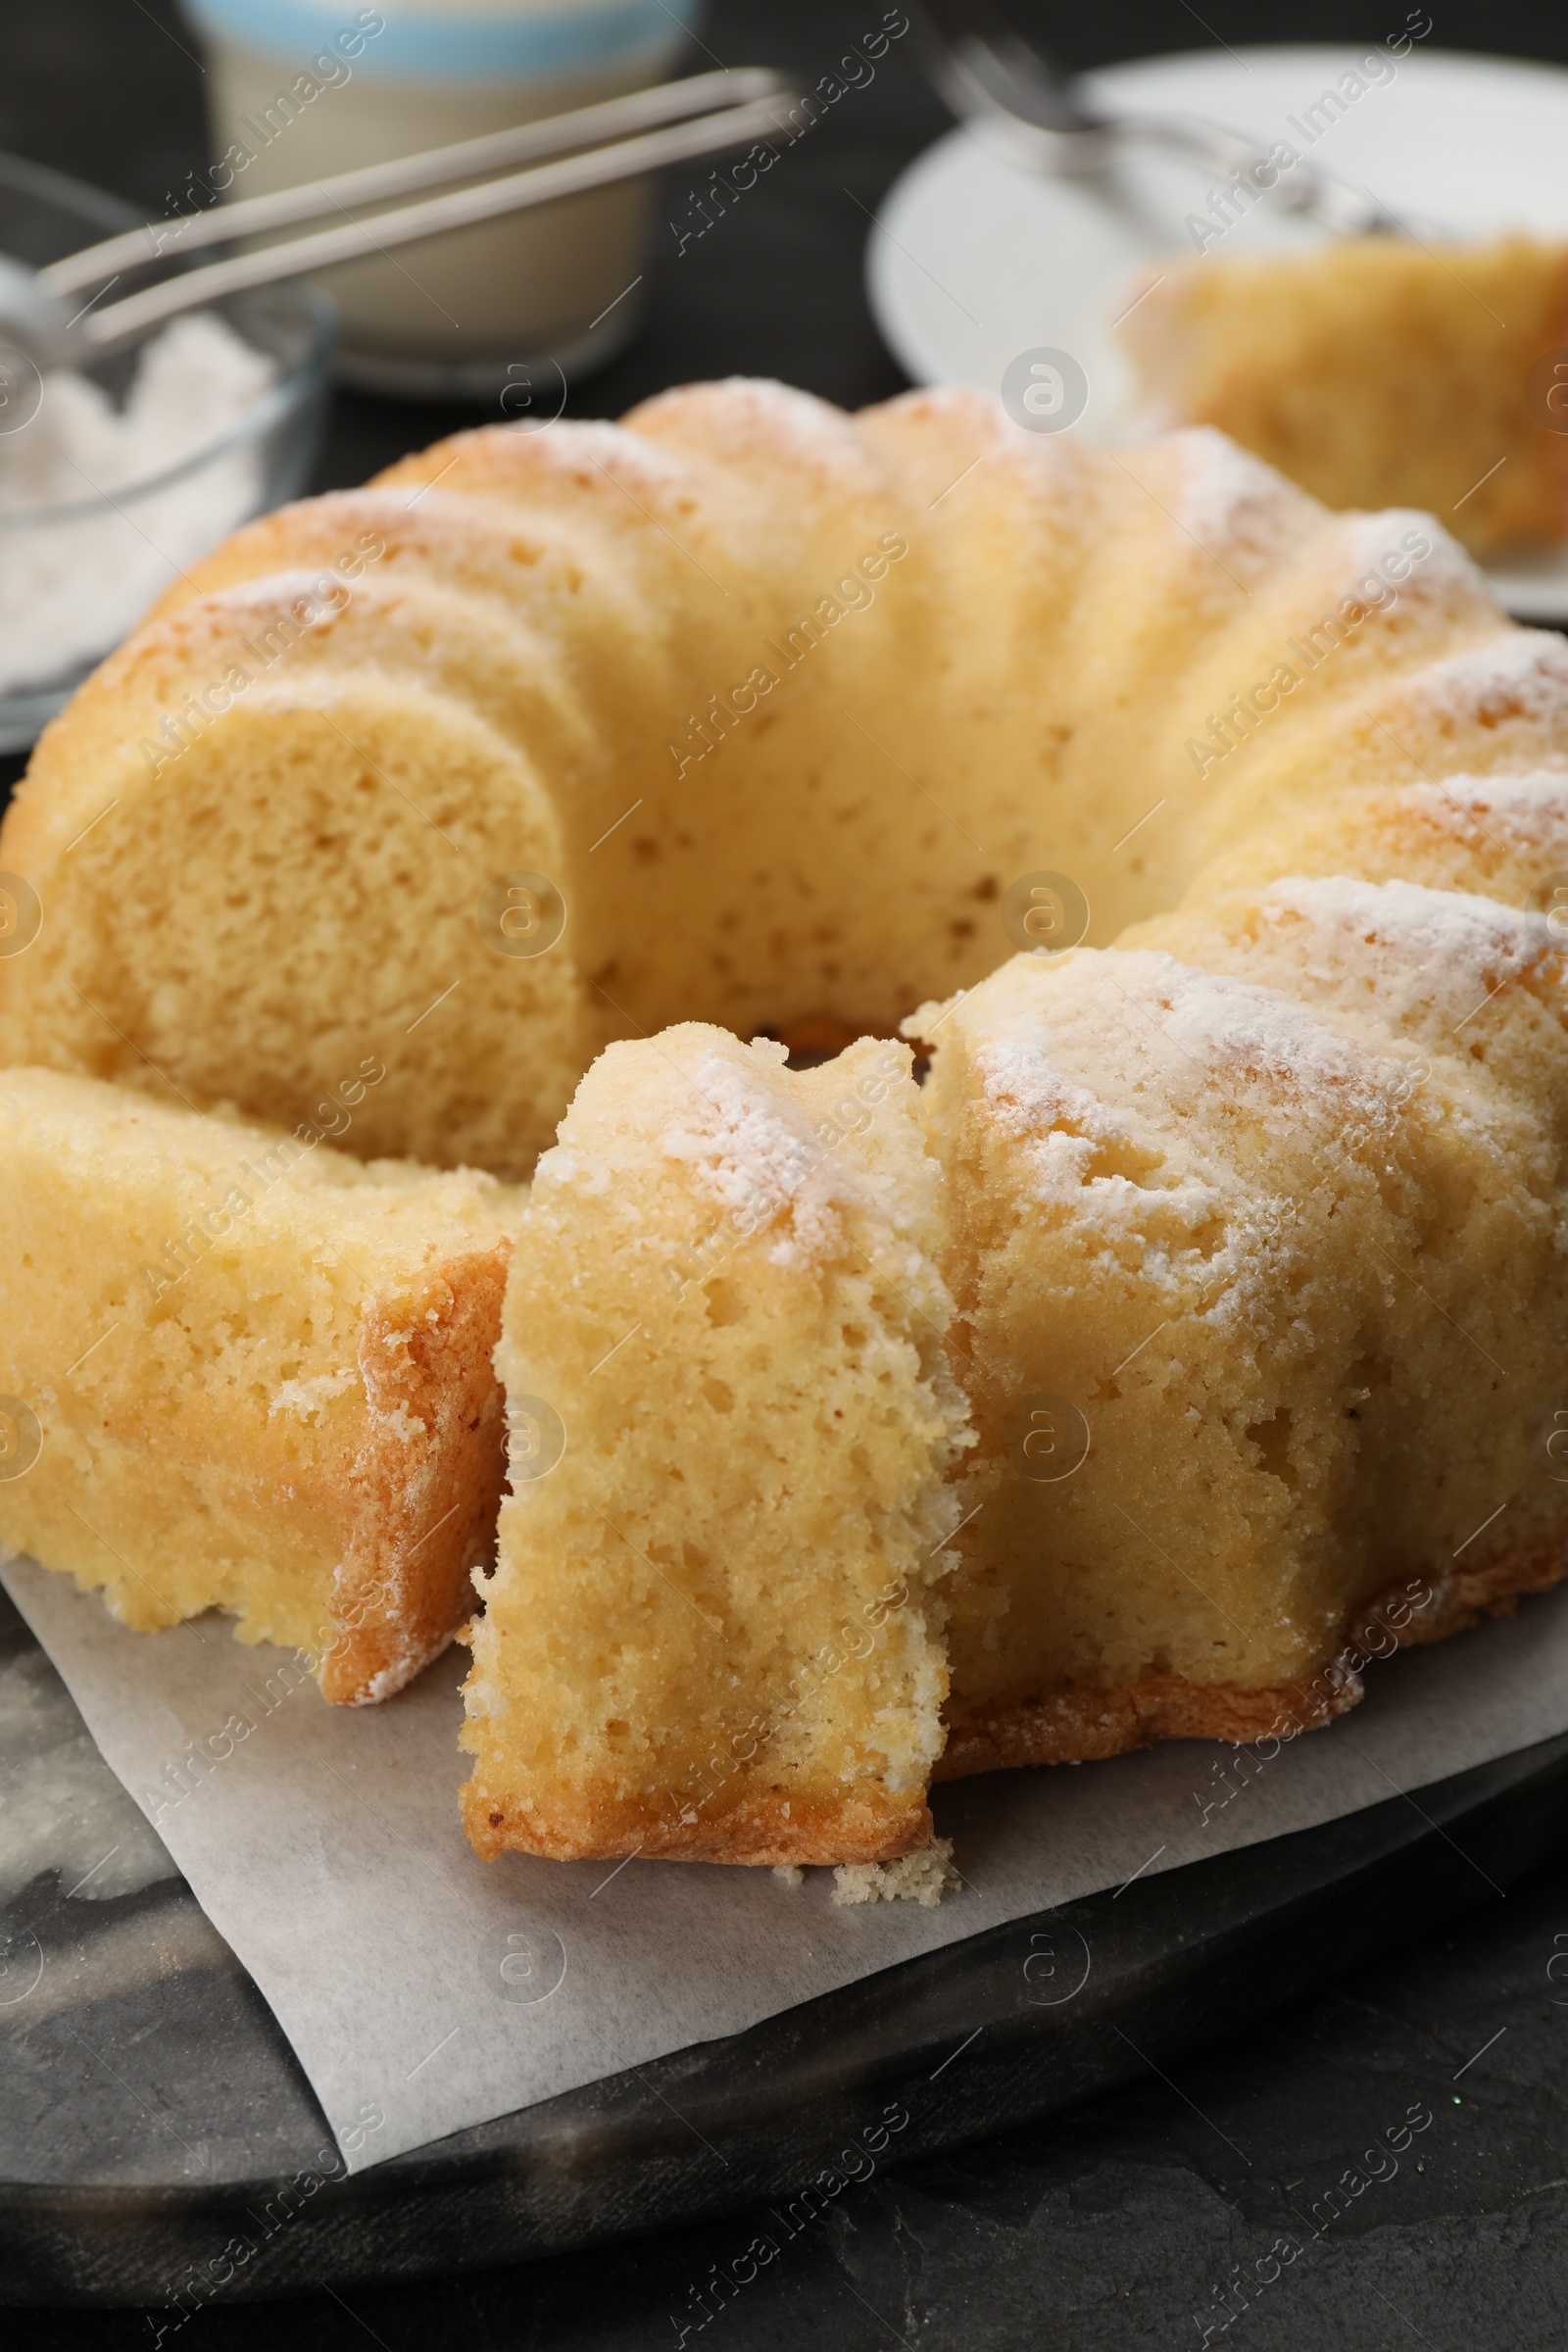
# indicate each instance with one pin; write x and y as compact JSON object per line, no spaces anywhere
{"x":424,"y":1989}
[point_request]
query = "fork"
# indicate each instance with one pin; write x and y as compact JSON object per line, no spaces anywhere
{"x":1033,"y":110}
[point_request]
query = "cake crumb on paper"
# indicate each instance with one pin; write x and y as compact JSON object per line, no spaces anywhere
{"x":789,"y":1874}
{"x":920,"y":1878}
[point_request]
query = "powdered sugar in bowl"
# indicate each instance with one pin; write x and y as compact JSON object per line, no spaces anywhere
{"x":111,"y":484}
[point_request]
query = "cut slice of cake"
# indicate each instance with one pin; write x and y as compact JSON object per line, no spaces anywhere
{"x":246,"y":1372}
{"x":715,"y":1627}
{"x":1376,"y":371}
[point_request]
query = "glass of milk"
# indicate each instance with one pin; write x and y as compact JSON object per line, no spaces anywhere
{"x":300,"y":89}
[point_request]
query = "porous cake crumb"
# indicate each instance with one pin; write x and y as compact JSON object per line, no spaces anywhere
{"x":789,"y":1874}
{"x":1375,"y":371}
{"x":252,"y":1374}
{"x":715,"y":1629}
{"x":920,"y":1878}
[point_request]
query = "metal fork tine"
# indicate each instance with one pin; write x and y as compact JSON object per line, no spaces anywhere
{"x":989,"y":75}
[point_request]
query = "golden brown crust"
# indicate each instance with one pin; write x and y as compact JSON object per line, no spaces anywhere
{"x":1460,"y":1598}
{"x":425,"y":1501}
{"x":566,"y":1827}
{"x":1071,"y":1727}
{"x":1068,"y":1728}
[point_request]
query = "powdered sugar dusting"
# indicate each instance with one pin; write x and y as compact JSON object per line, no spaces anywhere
{"x":1128,"y":1188}
{"x":754,"y":1159}
{"x":792,"y":421}
{"x":1072,"y":1143}
{"x":586,"y":453}
{"x":1449,"y":943}
{"x":1231,"y":502}
{"x":1444,"y":573}
{"x":985,"y":423}
{"x":1024,"y":1092}
{"x":1223,"y":1025}
{"x":1521,"y":673}
{"x":1248,"y":1031}
{"x":313,"y":598}
{"x":69,"y":588}
{"x":1532,"y":810}
{"x":981,"y":451}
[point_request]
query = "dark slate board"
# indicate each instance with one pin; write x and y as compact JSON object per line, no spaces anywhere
{"x":155,"y":2043}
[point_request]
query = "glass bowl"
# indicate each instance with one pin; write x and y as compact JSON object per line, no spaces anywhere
{"x":76,"y":576}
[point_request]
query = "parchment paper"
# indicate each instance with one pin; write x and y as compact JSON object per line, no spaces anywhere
{"x":424,"y":1989}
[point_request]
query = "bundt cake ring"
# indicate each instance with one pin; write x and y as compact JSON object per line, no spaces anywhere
{"x":1194,"y":1328}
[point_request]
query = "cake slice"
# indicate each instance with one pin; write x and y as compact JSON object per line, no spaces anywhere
{"x":1241,"y":1284}
{"x":714,"y":1626}
{"x":246,"y":1372}
{"x":1376,"y":371}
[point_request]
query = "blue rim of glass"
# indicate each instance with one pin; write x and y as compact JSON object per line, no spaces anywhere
{"x":443,"y":43}
{"x":301,"y":380}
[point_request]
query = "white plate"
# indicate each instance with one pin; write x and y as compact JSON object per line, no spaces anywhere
{"x":975,"y":260}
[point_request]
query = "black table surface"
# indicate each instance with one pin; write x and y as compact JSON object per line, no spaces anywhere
{"x":1123,"y":2223}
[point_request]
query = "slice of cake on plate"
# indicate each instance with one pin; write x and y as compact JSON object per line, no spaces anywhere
{"x":1376,"y":371}
{"x":242,"y":1371}
{"x":714,"y":1628}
